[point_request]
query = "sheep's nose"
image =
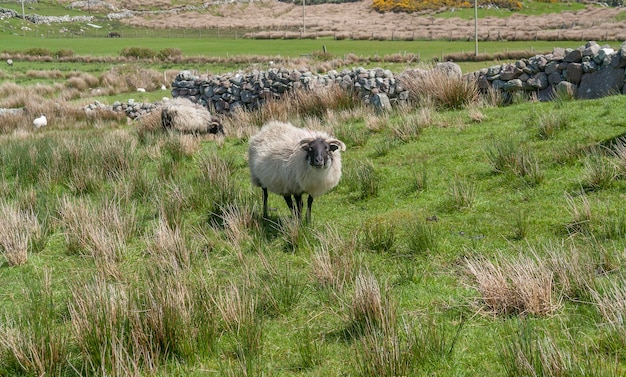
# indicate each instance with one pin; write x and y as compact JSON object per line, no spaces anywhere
{"x":319,"y":161}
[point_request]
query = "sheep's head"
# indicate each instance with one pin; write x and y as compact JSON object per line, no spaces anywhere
{"x":319,"y":151}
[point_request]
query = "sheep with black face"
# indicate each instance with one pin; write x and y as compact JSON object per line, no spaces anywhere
{"x":292,"y":161}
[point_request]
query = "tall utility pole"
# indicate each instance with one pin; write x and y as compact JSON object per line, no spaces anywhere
{"x":303,"y":25}
{"x":476,"y":27}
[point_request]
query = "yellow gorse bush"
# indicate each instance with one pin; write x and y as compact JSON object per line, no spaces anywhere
{"x":418,"y":5}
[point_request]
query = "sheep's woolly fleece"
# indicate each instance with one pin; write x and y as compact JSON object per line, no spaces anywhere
{"x":278,"y":162}
{"x":40,"y":122}
{"x":182,"y":115}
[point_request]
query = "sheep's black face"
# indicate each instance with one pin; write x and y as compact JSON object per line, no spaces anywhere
{"x":318,"y":153}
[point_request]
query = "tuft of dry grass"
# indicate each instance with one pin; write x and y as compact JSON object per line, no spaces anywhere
{"x":367,"y":307}
{"x":333,"y":263}
{"x":168,"y":247}
{"x":19,"y":232}
{"x":98,"y":232}
{"x":521,"y":285}
{"x":619,"y":153}
{"x":436,"y":88}
{"x":581,"y":213}
{"x":33,"y":343}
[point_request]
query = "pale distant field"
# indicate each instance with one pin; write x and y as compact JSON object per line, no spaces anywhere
{"x":356,"y":20}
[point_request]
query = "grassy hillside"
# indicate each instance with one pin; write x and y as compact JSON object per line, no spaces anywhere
{"x":484,"y":239}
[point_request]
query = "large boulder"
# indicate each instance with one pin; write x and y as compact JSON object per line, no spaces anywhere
{"x":601,"y":83}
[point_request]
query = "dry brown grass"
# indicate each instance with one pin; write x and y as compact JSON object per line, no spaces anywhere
{"x":333,"y":265}
{"x":281,"y":20}
{"x":521,"y":285}
{"x":19,"y":229}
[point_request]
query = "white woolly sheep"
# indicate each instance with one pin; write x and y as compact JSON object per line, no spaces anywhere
{"x":291,"y":161}
{"x":40,"y":122}
{"x":182,"y":115}
{"x":9,"y":62}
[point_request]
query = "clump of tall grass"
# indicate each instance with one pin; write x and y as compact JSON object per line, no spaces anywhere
{"x":351,"y":135}
{"x":419,"y":179}
{"x":370,"y":308}
{"x":122,"y":329}
{"x":240,"y":225}
{"x":574,"y":270}
{"x":333,"y":264}
{"x":303,"y":103}
{"x":168,"y":247}
{"x":581,"y":214}
{"x":237,"y":309}
{"x":409,"y":127}
{"x":363,"y":180}
{"x":508,"y":156}
{"x":310,"y":348}
{"x":128,"y":77}
{"x":440,"y":89}
{"x":379,"y":235}
{"x":547,"y":124}
{"x":81,"y":81}
{"x":173,"y":201}
{"x":219,"y":187}
{"x":529,"y":354}
{"x":100,"y":232}
{"x":610,"y":302}
{"x":619,"y":154}
{"x":279,"y":288}
{"x":462,"y":193}
{"x":32,"y":343}
{"x":613,"y":225}
{"x":20,"y":233}
{"x":598,"y":172}
{"x":522,"y":285}
{"x":421,"y":237}
{"x":387,"y":347}
{"x":385,"y":146}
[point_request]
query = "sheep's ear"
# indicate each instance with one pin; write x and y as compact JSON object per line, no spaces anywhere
{"x":336,"y":144}
{"x":304,"y":143}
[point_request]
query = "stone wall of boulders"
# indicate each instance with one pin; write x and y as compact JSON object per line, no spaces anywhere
{"x":590,"y":71}
{"x":228,"y":92}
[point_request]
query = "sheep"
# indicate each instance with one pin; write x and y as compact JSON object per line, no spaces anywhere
{"x":182,"y":115}
{"x":141,"y":90}
{"x":40,"y":122}
{"x":291,"y":161}
{"x":9,"y":62}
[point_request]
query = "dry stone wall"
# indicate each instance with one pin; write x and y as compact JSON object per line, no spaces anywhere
{"x":590,"y":71}
{"x":228,"y":92}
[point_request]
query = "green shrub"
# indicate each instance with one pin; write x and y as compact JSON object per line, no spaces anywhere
{"x":138,"y":53}
{"x":169,"y":53}
{"x":64,"y":52}
{"x":38,"y":51}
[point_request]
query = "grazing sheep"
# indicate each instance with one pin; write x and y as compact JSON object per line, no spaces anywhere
{"x":9,"y":62}
{"x":141,"y":90}
{"x":40,"y":122}
{"x":182,"y":115}
{"x":291,"y":161}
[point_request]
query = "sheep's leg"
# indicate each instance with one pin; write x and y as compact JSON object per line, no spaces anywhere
{"x":309,"y":204}
{"x":288,"y":201}
{"x":264,"y":202}
{"x":298,"y":206}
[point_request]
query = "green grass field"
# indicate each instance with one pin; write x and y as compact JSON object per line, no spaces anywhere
{"x":163,"y":235}
{"x":484,"y":241}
